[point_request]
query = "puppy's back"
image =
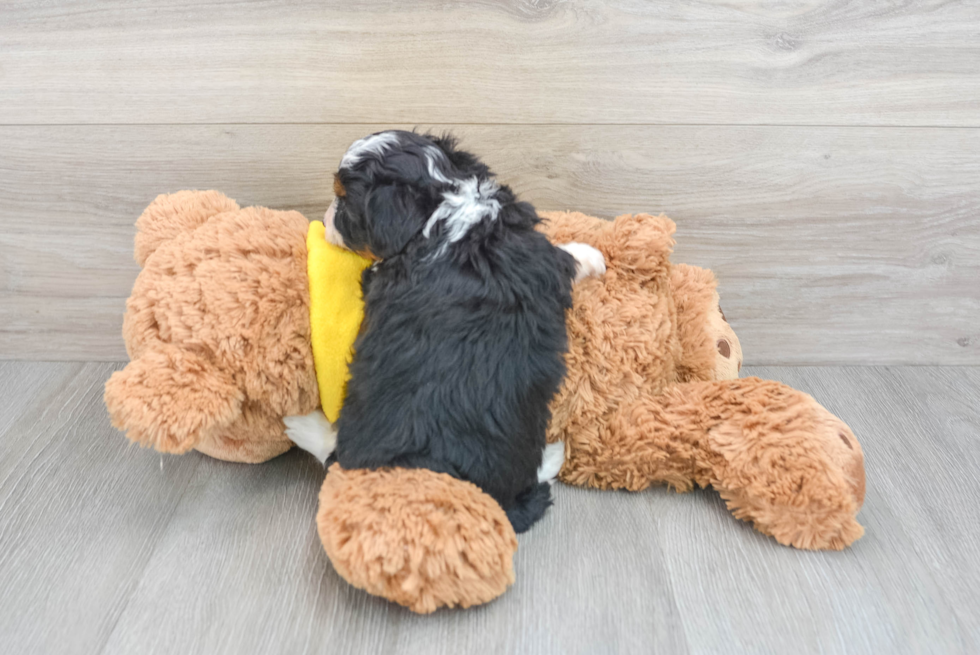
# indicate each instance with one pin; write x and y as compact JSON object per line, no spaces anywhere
{"x":457,"y":364}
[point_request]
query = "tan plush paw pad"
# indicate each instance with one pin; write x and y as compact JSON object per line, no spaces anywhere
{"x":421,"y":539}
{"x":792,"y":468}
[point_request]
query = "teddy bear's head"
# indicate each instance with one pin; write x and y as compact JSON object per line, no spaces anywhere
{"x":642,"y":327}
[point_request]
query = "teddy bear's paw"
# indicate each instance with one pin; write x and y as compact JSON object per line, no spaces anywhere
{"x":815,"y":527}
{"x":171,"y":399}
{"x":421,"y":539}
{"x":313,"y":433}
{"x":589,"y":262}
{"x":789,"y":466}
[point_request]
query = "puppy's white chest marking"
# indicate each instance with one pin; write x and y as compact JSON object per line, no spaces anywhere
{"x":588,"y":260}
{"x":313,"y":433}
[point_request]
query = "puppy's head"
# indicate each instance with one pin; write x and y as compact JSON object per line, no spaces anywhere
{"x":394,"y":187}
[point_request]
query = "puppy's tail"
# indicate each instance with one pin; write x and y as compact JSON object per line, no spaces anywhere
{"x":529,"y":506}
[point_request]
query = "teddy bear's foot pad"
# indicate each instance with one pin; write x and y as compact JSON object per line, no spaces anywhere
{"x":421,"y":539}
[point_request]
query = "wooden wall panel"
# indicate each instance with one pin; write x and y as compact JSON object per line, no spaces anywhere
{"x":514,"y":61}
{"x":833,"y":245}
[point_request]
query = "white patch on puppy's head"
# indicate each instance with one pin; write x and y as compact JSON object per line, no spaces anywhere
{"x":371,"y":144}
{"x":464,"y":207}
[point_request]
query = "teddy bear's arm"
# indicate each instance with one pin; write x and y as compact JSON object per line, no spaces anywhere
{"x":171,"y":399}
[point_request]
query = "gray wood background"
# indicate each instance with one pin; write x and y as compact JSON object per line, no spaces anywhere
{"x":108,"y":548}
{"x":822,"y":157}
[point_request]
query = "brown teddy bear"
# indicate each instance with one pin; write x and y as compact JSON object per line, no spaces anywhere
{"x":218,"y":329}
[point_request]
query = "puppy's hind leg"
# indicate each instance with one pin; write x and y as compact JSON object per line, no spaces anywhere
{"x":313,"y":433}
{"x":529,"y":506}
{"x":552,"y":460}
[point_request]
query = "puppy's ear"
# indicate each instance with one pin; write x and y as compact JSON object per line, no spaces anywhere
{"x":394,"y":215}
{"x":446,"y":141}
{"x":464,"y":162}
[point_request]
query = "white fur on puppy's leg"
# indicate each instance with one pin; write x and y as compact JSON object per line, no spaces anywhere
{"x":552,"y":459}
{"x":588,"y":260}
{"x":313,"y":433}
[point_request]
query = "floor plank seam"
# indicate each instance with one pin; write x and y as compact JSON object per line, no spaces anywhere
{"x":137,"y":579}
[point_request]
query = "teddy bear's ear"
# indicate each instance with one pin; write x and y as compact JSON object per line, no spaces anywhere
{"x":170,"y":215}
{"x":641,"y":243}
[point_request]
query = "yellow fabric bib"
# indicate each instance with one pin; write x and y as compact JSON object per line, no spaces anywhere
{"x":336,"y":312}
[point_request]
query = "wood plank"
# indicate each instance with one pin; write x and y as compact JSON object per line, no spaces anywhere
{"x":80,"y":510}
{"x":929,"y":473}
{"x":319,"y":608}
{"x":21,"y":383}
{"x":105,"y":553}
{"x":508,"y":61}
{"x":59,"y":328}
{"x":242,"y":569}
{"x":908,"y":586}
{"x":833,"y":245}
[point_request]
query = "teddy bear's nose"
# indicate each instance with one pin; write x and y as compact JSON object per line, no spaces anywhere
{"x":724,"y":348}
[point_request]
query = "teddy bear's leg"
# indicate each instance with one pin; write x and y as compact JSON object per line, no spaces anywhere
{"x":777,"y":457}
{"x":787,"y":465}
{"x":171,"y":399}
{"x":256,"y":436}
{"x":175,"y":213}
{"x":424,"y":540}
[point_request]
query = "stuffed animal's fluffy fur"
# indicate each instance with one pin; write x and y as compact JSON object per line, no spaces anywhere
{"x":218,"y":330}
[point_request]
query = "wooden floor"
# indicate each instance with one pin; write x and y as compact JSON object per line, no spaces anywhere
{"x":107,"y":548}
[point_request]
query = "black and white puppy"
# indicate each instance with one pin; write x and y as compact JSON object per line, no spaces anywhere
{"x":463,"y":341}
